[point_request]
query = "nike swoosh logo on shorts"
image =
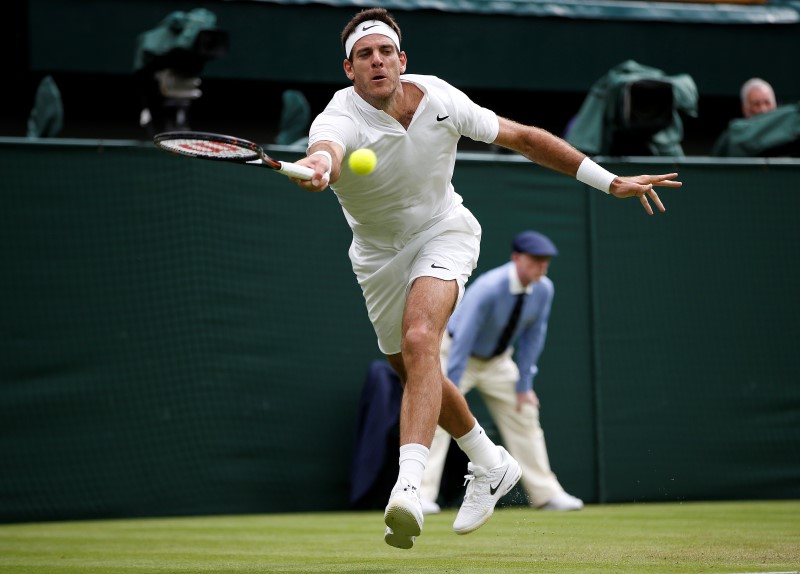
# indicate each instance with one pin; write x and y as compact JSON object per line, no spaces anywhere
{"x":493,"y":489}
{"x":434,"y":266}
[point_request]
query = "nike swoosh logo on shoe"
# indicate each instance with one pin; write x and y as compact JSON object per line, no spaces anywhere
{"x":493,"y":489}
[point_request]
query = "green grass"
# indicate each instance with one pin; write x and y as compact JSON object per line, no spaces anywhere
{"x":722,"y":537}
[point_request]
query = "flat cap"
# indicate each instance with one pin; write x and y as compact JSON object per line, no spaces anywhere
{"x":534,"y":243}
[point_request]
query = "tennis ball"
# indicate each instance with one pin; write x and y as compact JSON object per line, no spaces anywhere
{"x":362,"y":161}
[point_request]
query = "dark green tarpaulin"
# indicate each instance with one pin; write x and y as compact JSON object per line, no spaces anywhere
{"x":47,"y":116}
{"x":598,"y":118}
{"x":757,"y":135}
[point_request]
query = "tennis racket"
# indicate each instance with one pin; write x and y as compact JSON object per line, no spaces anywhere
{"x":220,"y":147}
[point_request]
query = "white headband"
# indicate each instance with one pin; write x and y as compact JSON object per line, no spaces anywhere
{"x":367,"y":28}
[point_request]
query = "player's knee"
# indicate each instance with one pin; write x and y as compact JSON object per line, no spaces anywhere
{"x":420,"y":341}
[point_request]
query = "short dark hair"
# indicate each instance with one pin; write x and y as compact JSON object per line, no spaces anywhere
{"x":370,"y":14}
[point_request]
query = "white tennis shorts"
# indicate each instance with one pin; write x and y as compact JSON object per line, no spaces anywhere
{"x":448,"y":250}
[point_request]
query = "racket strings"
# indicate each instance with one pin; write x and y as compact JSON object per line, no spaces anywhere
{"x":204,"y":148}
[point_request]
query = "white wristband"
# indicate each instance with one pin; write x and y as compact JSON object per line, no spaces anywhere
{"x":592,"y":174}
{"x":330,"y":161}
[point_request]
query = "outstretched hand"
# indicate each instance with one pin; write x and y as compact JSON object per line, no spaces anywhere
{"x":321,"y":178}
{"x":641,"y":186}
{"x":325,"y":158}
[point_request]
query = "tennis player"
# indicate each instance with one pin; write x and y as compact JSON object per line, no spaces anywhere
{"x":415,"y":244}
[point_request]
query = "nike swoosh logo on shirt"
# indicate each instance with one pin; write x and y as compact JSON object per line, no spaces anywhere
{"x":441,"y":119}
{"x":493,"y":489}
{"x":434,"y":266}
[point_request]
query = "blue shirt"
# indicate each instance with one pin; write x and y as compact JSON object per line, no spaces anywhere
{"x":478,"y":322}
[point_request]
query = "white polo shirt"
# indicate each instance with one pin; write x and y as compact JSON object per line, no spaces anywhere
{"x":410,"y":190}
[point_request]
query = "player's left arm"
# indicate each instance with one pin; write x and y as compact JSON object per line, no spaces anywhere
{"x":548,"y":150}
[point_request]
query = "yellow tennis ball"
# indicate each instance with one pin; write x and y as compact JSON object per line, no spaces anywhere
{"x":362,"y":161}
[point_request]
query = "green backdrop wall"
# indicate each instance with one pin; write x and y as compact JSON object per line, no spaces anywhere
{"x":567,"y":51}
{"x":183,"y":337}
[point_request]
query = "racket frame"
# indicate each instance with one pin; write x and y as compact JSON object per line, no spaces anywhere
{"x":257,"y":156}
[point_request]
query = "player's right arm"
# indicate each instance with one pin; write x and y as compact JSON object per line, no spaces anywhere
{"x":325,"y":158}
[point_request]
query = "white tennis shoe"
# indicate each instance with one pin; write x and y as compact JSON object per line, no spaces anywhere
{"x":429,"y":506}
{"x":403,"y":516}
{"x":563,"y":502}
{"x":484,"y":489}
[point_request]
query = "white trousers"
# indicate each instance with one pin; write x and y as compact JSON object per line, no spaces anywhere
{"x":521,"y":432}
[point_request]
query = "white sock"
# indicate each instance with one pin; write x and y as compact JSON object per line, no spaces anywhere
{"x":413,"y":458}
{"x":479,"y":448}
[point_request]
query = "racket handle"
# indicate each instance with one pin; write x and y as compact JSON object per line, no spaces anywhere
{"x":293,"y":170}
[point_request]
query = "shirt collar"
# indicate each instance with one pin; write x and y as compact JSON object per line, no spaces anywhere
{"x":514,"y":284}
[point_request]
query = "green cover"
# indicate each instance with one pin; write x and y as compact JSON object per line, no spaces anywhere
{"x":47,"y":116}
{"x":763,"y":134}
{"x":599,"y":116}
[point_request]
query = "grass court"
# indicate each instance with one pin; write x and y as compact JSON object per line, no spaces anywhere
{"x":691,"y":537}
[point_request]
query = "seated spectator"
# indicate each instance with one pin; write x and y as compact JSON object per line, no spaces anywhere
{"x":757,"y":97}
{"x":766,"y":130}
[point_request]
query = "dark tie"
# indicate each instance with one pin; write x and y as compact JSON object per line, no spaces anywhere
{"x":513,"y":319}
